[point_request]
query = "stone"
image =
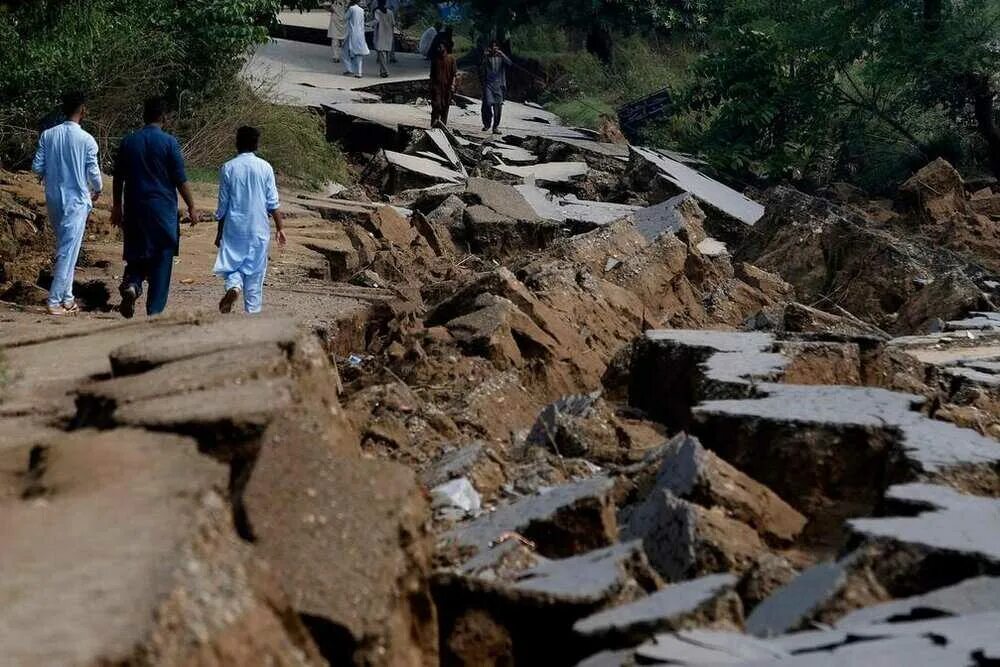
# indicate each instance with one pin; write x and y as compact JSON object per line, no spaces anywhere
{"x":945,"y":521}
{"x":347,"y":537}
{"x":436,"y":234}
{"x":501,"y":332}
{"x":699,"y":601}
{"x":800,"y":318}
{"x":691,"y":472}
{"x":388,"y":224}
{"x":127,"y":547}
{"x":25,"y":294}
{"x":684,"y":540}
{"x":564,"y":521}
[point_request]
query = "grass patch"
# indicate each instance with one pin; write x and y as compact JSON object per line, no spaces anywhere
{"x":293,"y":140}
{"x":584,"y":111}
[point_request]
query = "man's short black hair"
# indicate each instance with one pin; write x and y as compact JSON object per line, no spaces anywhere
{"x":247,"y":139}
{"x":72,"y":102}
{"x":153,"y":110}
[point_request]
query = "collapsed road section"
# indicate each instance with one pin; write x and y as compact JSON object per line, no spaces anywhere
{"x":526,"y":399}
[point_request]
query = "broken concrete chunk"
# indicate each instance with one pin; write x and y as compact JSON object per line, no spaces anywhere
{"x":194,"y":340}
{"x":684,"y":540}
{"x":223,"y":420}
{"x":348,"y":539}
{"x":767,"y":574}
{"x":547,"y":172}
{"x":691,"y":472}
{"x":706,"y":647}
{"x":972,"y":596}
{"x":703,"y":601}
{"x":127,"y":548}
{"x":97,"y":401}
{"x":458,"y":494}
{"x":409,"y":171}
{"x":571,"y":209}
{"x":564,"y":521}
{"x":500,"y":197}
{"x":793,"y":604}
{"x":590,"y":578}
{"x":708,"y":191}
{"x":388,"y":224}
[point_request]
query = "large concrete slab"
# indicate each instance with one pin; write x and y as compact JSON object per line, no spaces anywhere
{"x":658,"y":612}
{"x":706,"y":190}
{"x":950,"y":521}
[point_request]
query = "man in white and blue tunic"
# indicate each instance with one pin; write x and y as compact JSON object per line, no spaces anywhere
{"x":66,"y":161}
{"x":248,"y":195}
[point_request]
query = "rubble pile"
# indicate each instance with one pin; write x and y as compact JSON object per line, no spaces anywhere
{"x":532,"y":399}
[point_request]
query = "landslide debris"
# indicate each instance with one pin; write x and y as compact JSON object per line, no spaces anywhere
{"x":598,"y":408}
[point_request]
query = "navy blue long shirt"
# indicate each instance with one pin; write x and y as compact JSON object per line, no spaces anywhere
{"x":150,"y":164}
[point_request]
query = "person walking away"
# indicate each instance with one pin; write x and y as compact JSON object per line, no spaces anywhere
{"x":149,"y":172}
{"x":337,"y":32}
{"x":493,"y":75}
{"x":247,"y":196}
{"x":427,"y":40}
{"x":394,"y":7}
{"x":385,"y":35}
{"x":443,"y":72}
{"x":66,"y":161}
{"x":355,"y":46}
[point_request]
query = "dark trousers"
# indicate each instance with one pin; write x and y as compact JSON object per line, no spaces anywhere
{"x":155,"y":270}
{"x":439,"y":113}
{"x":492,"y":114}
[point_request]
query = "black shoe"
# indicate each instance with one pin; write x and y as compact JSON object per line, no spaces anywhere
{"x":226,"y":305}
{"x":129,"y":295}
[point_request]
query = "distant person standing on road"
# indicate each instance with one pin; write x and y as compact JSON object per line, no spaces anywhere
{"x":248,"y":195}
{"x":443,"y":71}
{"x":149,"y":172}
{"x":337,"y":31}
{"x":493,"y":76}
{"x":427,"y":40}
{"x":355,"y":46}
{"x":66,"y":161}
{"x":385,"y":35}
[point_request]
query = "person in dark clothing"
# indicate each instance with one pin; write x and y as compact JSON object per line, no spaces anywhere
{"x":149,"y":172}
{"x":443,"y":71}
{"x":493,"y":76}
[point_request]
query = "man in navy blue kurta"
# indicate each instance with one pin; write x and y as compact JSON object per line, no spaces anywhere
{"x":149,"y":172}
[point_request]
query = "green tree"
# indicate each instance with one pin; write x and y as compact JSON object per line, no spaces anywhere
{"x":788,"y":86}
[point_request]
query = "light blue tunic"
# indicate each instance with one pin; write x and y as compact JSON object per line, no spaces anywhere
{"x":248,"y":194}
{"x":67,"y":162}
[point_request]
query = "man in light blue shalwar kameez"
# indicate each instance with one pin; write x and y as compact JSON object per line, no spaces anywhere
{"x":248,"y":194}
{"x":66,"y":161}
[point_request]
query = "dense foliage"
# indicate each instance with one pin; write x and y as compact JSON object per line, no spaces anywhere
{"x":121,"y":51}
{"x":861,"y":90}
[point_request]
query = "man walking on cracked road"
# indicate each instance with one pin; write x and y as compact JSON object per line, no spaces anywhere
{"x":248,"y":194}
{"x":66,"y":161}
{"x":493,"y":76}
{"x":149,"y":172}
